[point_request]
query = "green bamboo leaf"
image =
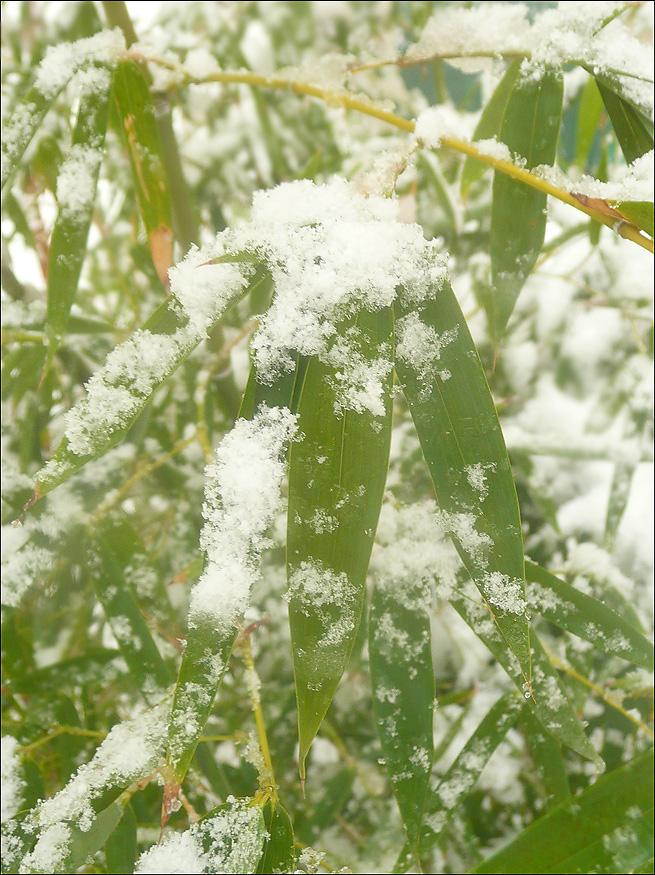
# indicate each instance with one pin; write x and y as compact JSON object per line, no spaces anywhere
{"x":490,"y":124}
{"x":586,"y":617}
{"x":121,"y":848}
{"x":86,"y":843}
{"x":547,"y":755}
{"x":530,"y":129}
{"x":607,"y":828}
{"x":76,"y":190}
{"x":633,"y":130}
{"x":589,"y":114}
{"x":279,"y":854}
{"x":139,"y":123}
{"x":640,"y":213}
{"x":402,"y":683}
{"x":119,"y":392}
{"x":337,"y":474}
{"x":623,"y":88}
{"x":126,"y":621}
{"x":456,"y":421}
{"x":548,"y":700}
{"x":461,"y":777}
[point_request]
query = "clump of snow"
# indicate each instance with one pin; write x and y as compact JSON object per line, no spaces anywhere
{"x":419,"y":347}
{"x":241,"y":496}
{"x":76,"y":182}
{"x":199,"y":63}
{"x":62,"y":62}
{"x":13,"y":783}
{"x":313,"y":586}
{"x":437,"y":122}
{"x":506,"y":594}
{"x":229,"y":841}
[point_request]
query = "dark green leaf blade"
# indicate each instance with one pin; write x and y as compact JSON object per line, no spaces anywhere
{"x":530,"y":129}
{"x":640,"y":213}
{"x":279,"y":854}
{"x":336,"y":481}
{"x":490,"y":124}
{"x":137,"y":114}
{"x":121,"y":847}
{"x":456,"y":421}
{"x":586,"y":617}
{"x":633,"y":130}
{"x":76,"y":190}
{"x":547,"y":755}
{"x":607,"y":828}
{"x":402,"y":682}
{"x":20,"y":125}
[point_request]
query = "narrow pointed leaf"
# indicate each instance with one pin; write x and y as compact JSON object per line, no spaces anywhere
{"x":126,"y":621}
{"x":336,"y":482}
{"x":633,"y":130}
{"x":589,"y":114}
{"x":402,"y":682}
{"x":461,"y":777}
{"x":640,"y":213}
{"x":549,"y":702}
{"x":608,"y":828}
{"x":119,"y":392}
{"x":456,"y":421}
{"x":121,"y":847}
{"x":547,"y":755}
{"x":490,"y":124}
{"x":518,"y":213}
{"x":586,"y":617}
{"x":279,"y":854}
{"x":137,"y":114}
{"x":76,"y":190}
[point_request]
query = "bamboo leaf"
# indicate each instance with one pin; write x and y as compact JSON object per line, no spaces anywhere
{"x":126,"y":621}
{"x":547,"y":755}
{"x":456,"y":421}
{"x":548,"y":700}
{"x":119,"y":392}
{"x":490,"y":124}
{"x":279,"y":854}
{"x":586,"y":617}
{"x":402,"y":682}
{"x":121,"y":848}
{"x":589,"y":114}
{"x":336,"y":481}
{"x":530,"y":129}
{"x":461,"y":777}
{"x":607,"y":828}
{"x":86,"y":843}
{"x":137,"y":114}
{"x":633,"y":130}
{"x":640,"y":213}
{"x":76,"y":190}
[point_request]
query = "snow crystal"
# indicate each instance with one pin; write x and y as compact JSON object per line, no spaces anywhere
{"x":506,"y":594}
{"x":462,"y":527}
{"x":13,"y":783}
{"x":475,"y":474}
{"x":419,"y":346}
{"x":61,"y":62}
{"x":242,"y":494}
{"x":357,"y":381}
{"x":76,"y":181}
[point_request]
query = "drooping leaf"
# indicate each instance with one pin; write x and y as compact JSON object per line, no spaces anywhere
{"x":86,"y":843}
{"x":530,"y":129}
{"x":548,"y":700}
{"x":456,"y":421}
{"x":573,"y":610}
{"x":589,"y":114}
{"x":461,"y":777}
{"x":121,"y":847}
{"x":608,"y":828}
{"x":402,"y":683}
{"x":633,"y":130}
{"x":490,"y":124}
{"x":547,"y":755}
{"x":137,"y":114}
{"x":76,"y":189}
{"x":279,"y":854}
{"x":337,"y":474}
{"x":120,"y":391}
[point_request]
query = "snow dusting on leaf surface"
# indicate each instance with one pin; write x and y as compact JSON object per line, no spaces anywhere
{"x":241,"y":497}
{"x":13,"y":783}
{"x":62,"y":61}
